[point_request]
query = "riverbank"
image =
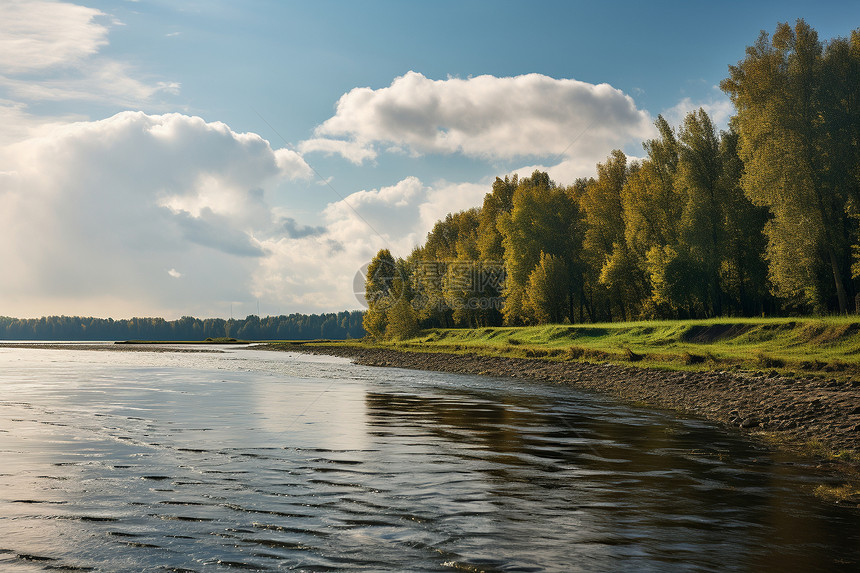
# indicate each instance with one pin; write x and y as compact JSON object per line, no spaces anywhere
{"x":820,"y":418}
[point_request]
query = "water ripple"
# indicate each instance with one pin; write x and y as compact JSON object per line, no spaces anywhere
{"x":260,"y":461}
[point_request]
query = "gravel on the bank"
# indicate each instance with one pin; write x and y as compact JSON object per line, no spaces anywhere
{"x":797,"y":410}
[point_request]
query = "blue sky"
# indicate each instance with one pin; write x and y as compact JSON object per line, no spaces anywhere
{"x":170,"y":158}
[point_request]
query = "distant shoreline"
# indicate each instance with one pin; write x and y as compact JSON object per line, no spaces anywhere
{"x":111,"y":346}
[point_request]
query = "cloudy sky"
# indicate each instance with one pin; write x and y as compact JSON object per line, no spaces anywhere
{"x":164,"y":158}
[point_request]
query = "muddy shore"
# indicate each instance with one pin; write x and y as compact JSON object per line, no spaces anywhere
{"x":791,"y":410}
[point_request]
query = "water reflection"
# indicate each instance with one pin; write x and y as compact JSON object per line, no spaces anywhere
{"x":273,"y":461}
{"x":671,"y":491}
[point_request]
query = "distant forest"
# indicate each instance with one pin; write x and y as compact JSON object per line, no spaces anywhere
{"x":761,"y":219}
{"x":293,"y":327}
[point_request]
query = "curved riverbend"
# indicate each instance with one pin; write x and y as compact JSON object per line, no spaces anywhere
{"x":253,"y":460}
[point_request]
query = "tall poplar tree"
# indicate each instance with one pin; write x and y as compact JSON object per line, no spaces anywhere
{"x":699,"y":182}
{"x":604,"y":242}
{"x":380,"y":292}
{"x":544,"y":219}
{"x":797,"y":123}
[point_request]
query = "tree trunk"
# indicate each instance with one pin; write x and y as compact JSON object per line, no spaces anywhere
{"x":840,"y":286}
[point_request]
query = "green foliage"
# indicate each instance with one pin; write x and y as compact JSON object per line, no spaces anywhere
{"x":383,"y":286}
{"x":798,"y":118}
{"x":605,"y":231}
{"x":762,"y":218}
{"x":375,"y":322}
{"x":547,"y":291}
{"x":544,"y":219}
{"x":342,"y":325}
{"x":499,"y":201}
{"x":402,"y":320}
{"x":651,"y":207}
{"x":381,"y":279}
{"x":702,"y":221}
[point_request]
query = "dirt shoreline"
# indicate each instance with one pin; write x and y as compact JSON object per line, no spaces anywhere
{"x":793,"y":411}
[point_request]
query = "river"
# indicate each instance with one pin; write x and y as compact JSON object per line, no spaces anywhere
{"x":254,"y":460}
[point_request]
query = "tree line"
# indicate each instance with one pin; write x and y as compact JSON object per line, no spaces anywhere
{"x":759,"y":219}
{"x":341,"y":325}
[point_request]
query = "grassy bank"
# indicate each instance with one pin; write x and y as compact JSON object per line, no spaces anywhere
{"x":792,"y":346}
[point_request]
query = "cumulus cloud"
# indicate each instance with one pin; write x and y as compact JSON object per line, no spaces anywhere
{"x":103,"y":218}
{"x":295,"y":230}
{"x":354,"y":151}
{"x":94,"y":213}
{"x":292,"y":165}
{"x":19,"y":125}
{"x":316,"y":272}
{"x":485,"y":116}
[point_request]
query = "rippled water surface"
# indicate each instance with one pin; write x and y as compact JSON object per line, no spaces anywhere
{"x":252,"y":460}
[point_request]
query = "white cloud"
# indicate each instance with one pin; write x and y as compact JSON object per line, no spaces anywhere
{"x":566,"y":171}
{"x":292,"y":165}
{"x":485,"y":116}
{"x":101,"y":218}
{"x":387,"y":215}
{"x":719,"y":107}
{"x":38,"y":35}
{"x":444,"y":198}
{"x":353,"y":151}
{"x":19,"y":125}
{"x":50,"y":52}
{"x":317,"y":272}
{"x":95,"y":211}
{"x":104,"y":81}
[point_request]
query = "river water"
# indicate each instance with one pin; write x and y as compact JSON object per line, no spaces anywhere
{"x":255,"y":460}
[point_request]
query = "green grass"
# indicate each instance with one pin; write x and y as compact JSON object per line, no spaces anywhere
{"x":797,"y":346}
